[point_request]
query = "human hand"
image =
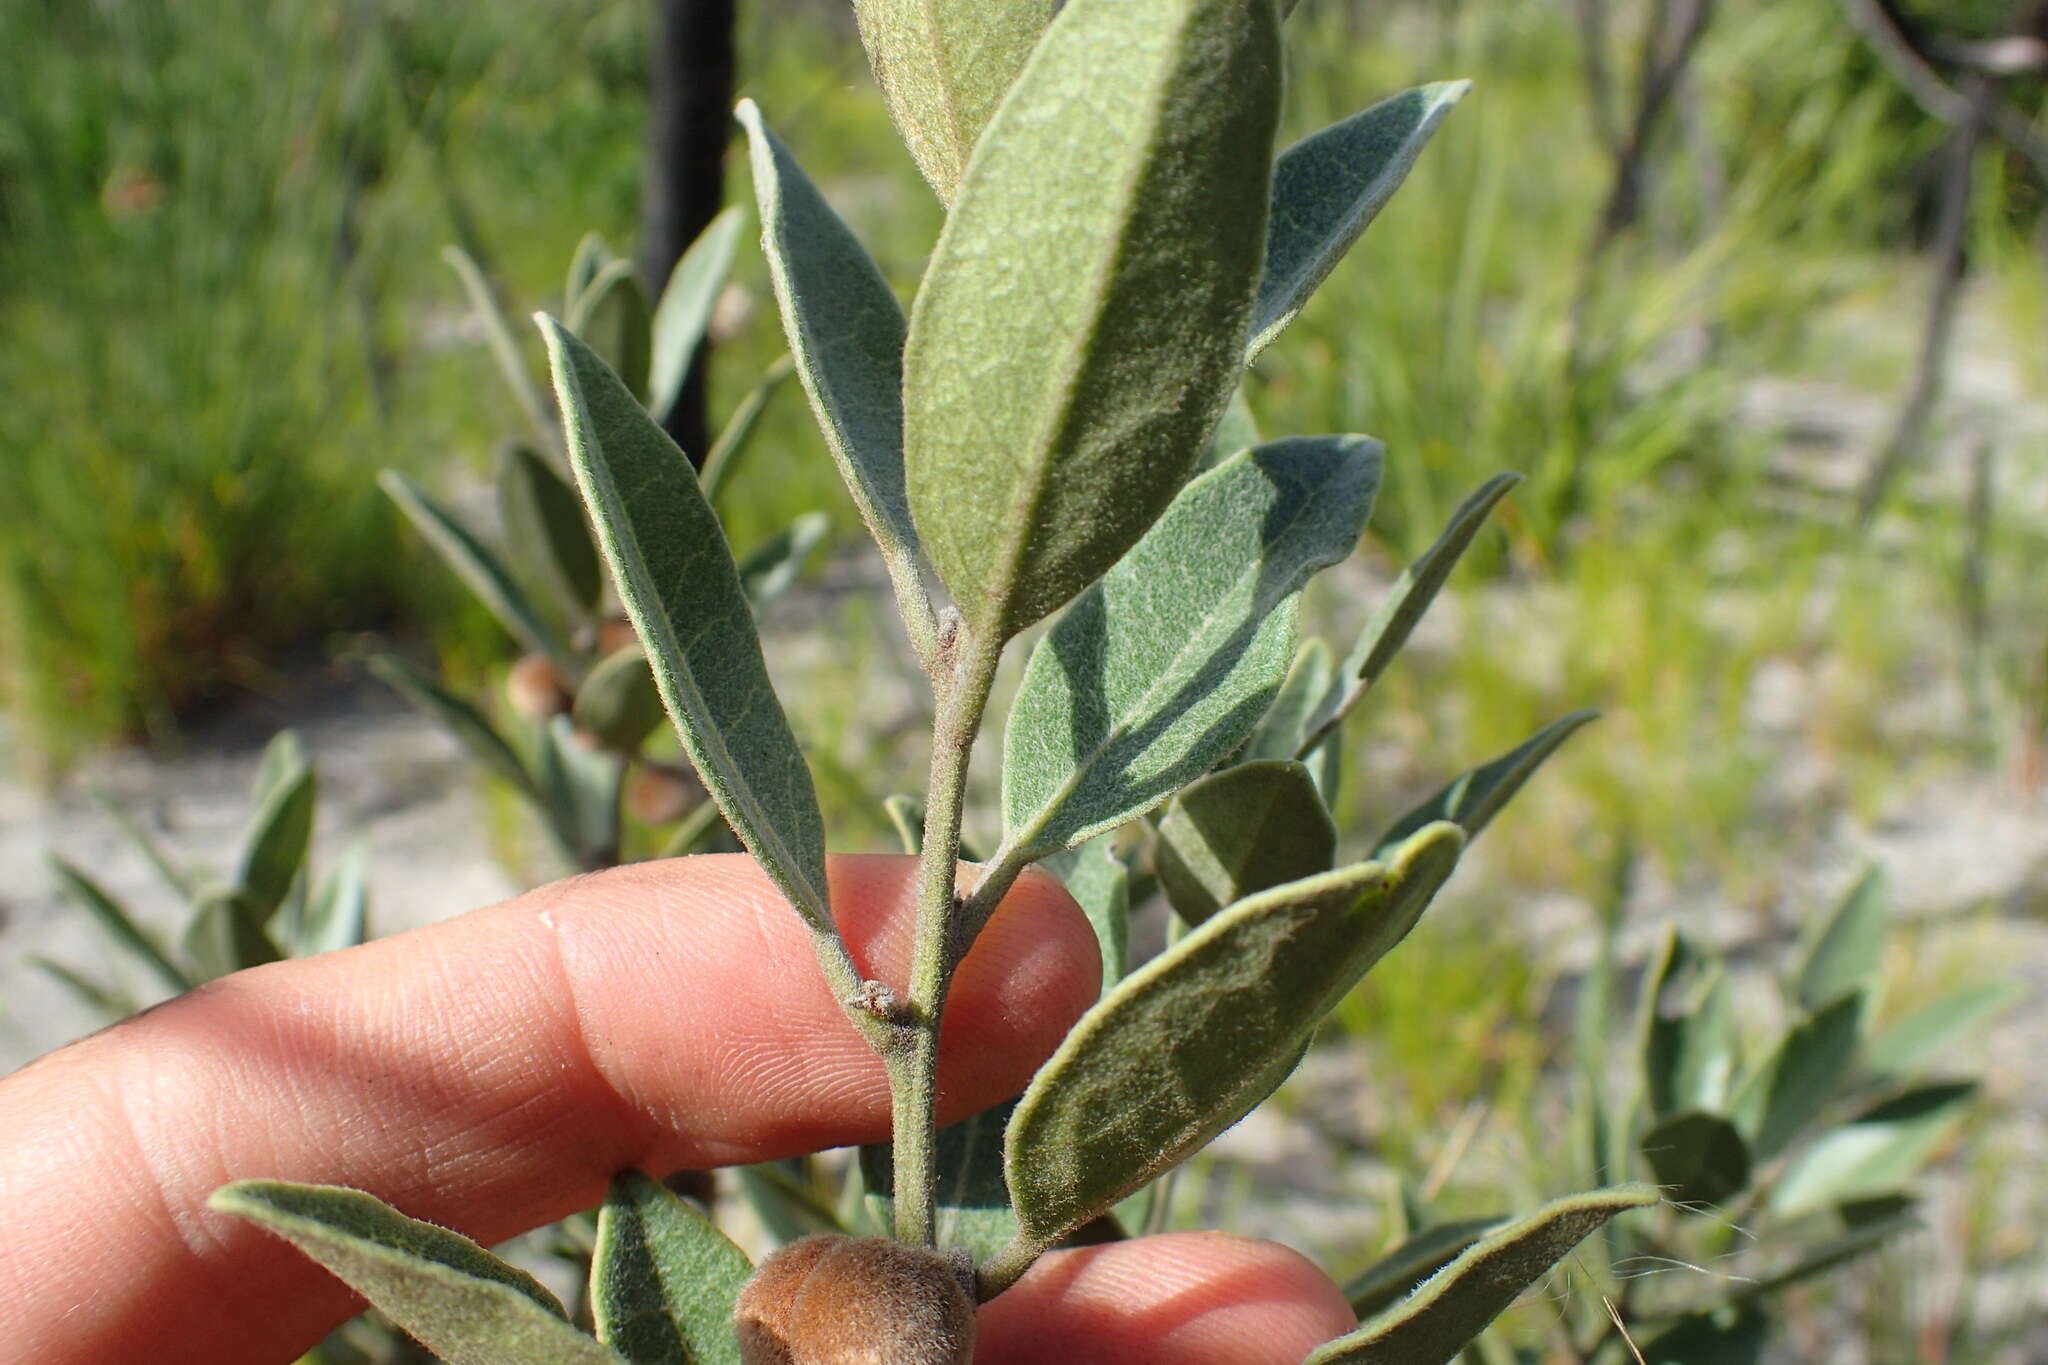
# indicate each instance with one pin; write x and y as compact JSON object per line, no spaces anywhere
{"x":493,"y":1072}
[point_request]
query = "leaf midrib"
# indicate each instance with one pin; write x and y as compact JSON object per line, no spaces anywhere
{"x":1083,"y":765}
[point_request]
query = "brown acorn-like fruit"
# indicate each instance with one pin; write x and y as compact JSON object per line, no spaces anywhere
{"x":534,"y":689}
{"x":658,"y":796}
{"x":614,"y":634}
{"x":837,"y":1300}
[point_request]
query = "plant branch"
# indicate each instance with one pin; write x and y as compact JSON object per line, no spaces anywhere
{"x":1892,"y":41}
{"x":968,"y":666}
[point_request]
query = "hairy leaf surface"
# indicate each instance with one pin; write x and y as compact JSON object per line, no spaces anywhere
{"x":664,"y":1279}
{"x":1240,"y":831}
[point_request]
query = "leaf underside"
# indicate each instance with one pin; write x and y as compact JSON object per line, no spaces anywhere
{"x":663,"y":1278}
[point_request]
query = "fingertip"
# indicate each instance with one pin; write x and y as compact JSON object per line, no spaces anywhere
{"x":1197,"y":1298}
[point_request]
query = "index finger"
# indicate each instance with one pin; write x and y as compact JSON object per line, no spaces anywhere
{"x":490,"y":1074}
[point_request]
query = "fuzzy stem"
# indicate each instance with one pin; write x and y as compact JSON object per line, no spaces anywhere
{"x":962,"y":693}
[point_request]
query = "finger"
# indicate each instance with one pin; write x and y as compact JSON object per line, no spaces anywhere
{"x":1191,"y":1298}
{"x":490,"y":1073}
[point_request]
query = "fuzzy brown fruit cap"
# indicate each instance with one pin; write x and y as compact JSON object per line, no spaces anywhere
{"x":535,"y":690}
{"x":836,"y":1300}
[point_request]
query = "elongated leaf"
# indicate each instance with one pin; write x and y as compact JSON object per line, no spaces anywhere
{"x":591,"y":256}
{"x":676,"y":577}
{"x":1847,"y":954}
{"x":503,"y":341}
{"x":1186,"y":1045}
{"x":1688,"y":1032}
{"x":339,"y":916}
{"x":973,"y":1202}
{"x":687,"y":302}
{"x":461,"y":1302}
{"x":1409,"y":599}
{"x":1474,"y":798}
{"x":619,"y":702}
{"x":1100,"y":883}
{"x":173,"y":876}
{"x":544,"y":527}
{"x":1812,"y":1262}
{"x":1928,"y":1032}
{"x":460,"y":719}
{"x":106,"y":1001}
{"x":664,"y":1280}
{"x":1874,"y":1154}
{"x":943,"y":66}
{"x":613,"y":318}
{"x":846,"y":331}
{"x":1699,"y":1159}
{"x":784,"y":1202}
{"x":1327,"y":189}
{"x":284,"y":758}
{"x":1285,"y":727}
{"x":274,"y":844}
{"x":226,"y":935}
{"x":115,"y":922}
{"x":769,"y":570}
{"x":1800,"y":1077}
{"x":1458,"y":1302}
{"x":581,"y":784}
{"x":1081,"y":326}
{"x":1165,"y":666}
{"x":737,"y":438}
{"x":1390,"y":1278}
{"x":479,"y":568}
{"x":1729,"y":1335}
{"x":1237,"y":430}
{"x":906,"y":816}
{"x":1240,"y":831}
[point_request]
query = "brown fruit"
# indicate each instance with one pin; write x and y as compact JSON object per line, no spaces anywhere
{"x":535,"y":690}
{"x":835,"y":1300}
{"x":614,"y":635}
{"x":659,"y":797}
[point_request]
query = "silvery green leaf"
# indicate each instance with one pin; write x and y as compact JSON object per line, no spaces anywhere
{"x":457,"y":716}
{"x":1409,"y":599}
{"x":458,"y":1300}
{"x":772,"y":566}
{"x":676,"y":577}
{"x":503,"y":341}
{"x":580,"y":784}
{"x":1327,"y":189}
{"x":664,"y":1280}
{"x":845,"y":331}
{"x":1237,"y":430}
{"x":1846,"y":956}
{"x":1390,"y":1278}
{"x":1731,"y":1334}
{"x":1689,"y":1032}
{"x":1927,"y":1033}
{"x":1287,"y":724}
{"x":618,"y":702}
{"x":116,"y":923}
{"x":226,"y":935}
{"x":1238,"y":832}
{"x":105,"y":1001}
{"x":274,"y":843}
{"x":1188,"y":1043}
{"x":1800,"y":1077}
{"x":479,"y":568}
{"x":782,"y":1201}
{"x":1164,"y":667}
{"x":284,"y":758}
{"x":173,"y":876}
{"x":338,"y":917}
{"x":1100,"y":884}
{"x":943,"y":66}
{"x":1876,"y":1153}
{"x":973,"y":1202}
{"x":1860,"y":1239}
{"x":1081,"y":326}
{"x":1474,"y":798}
{"x":1699,"y":1159}
{"x":612,"y":317}
{"x":592,"y":254}
{"x":544,"y":527}
{"x":687,"y":302}
{"x":1458,"y":1302}
{"x":906,"y":816}
{"x":737,"y":436}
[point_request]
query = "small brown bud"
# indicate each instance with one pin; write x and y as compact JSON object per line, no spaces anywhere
{"x":614,"y":635}
{"x":535,"y":690}
{"x":659,"y":797}
{"x":835,"y":1300}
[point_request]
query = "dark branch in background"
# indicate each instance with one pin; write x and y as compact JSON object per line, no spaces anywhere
{"x":689,"y":123}
{"x":1974,"y":107}
{"x":1592,"y":16}
{"x":1669,"y":45}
